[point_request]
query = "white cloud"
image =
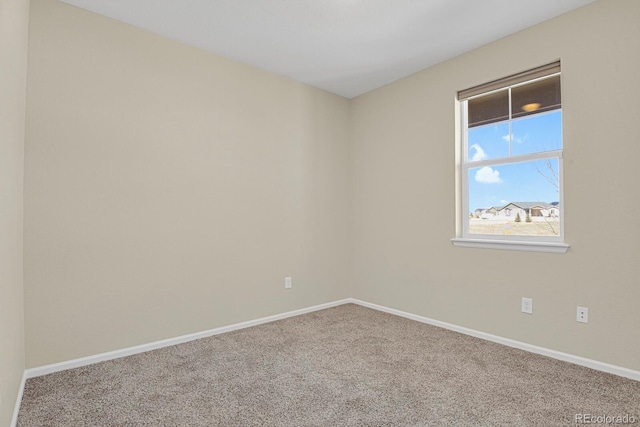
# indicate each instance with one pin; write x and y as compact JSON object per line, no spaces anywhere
{"x":503,"y":201}
{"x":516,"y":140}
{"x":487,"y":175}
{"x":479,"y":154}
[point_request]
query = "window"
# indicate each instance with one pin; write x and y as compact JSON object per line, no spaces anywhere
{"x":511,"y":166}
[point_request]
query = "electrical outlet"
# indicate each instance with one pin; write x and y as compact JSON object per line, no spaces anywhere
{"x":287,"y":282}
{"x":527,"y":305}
{"x":582,"y":315}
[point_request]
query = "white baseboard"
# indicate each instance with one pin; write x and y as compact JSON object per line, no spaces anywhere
{"x":16,"y":409}
{"x":578,"y":360}
{"x":116,"y":354}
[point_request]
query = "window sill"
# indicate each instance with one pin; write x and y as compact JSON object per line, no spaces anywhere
{"x":512,"y":245}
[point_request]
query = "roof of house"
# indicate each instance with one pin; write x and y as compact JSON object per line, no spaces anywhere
{"x":524,"y":205}
{"x":529,"y":205}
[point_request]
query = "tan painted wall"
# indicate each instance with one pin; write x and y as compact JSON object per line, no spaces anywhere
{"x":403,"y":186}
{"x":169,"y":190}
{"x":14,"y":18}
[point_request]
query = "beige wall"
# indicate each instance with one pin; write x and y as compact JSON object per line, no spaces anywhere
{"x":14,"y":17}
{"x":403,"y":186}
{"x":169,"y":190}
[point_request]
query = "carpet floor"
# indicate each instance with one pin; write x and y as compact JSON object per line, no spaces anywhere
{"x":343,"y":366}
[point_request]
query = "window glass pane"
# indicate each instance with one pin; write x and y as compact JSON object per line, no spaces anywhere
{"x":488,"y":109}
{"x":515,"y":199}
{"x":488,"y":142}
{"x":536,"y":97}
{"x":537,"y":133}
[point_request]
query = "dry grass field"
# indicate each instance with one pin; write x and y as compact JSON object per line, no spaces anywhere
{"x":535,"y":228}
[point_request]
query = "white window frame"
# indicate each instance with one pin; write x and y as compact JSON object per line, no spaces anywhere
{"x":553,"y":244}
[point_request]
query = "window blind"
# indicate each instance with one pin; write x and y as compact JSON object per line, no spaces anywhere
{"x":543,"y":71}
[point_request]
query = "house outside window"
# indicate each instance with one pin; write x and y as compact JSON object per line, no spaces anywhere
{"x":511,"y":165}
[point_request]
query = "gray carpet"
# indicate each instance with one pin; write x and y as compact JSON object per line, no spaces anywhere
{"x":344,"y":366}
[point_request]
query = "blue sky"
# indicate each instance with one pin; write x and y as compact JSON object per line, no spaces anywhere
{"x":518,"y":182}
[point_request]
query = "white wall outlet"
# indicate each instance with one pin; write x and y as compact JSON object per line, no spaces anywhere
{"x":527,"y":305}
{"x":287,"y":282}
{"x":582,"y":315}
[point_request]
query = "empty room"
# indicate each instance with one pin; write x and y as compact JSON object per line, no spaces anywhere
{"x":319,"y":213}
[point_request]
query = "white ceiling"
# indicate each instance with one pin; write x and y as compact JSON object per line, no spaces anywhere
{"x":347,"y":47}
